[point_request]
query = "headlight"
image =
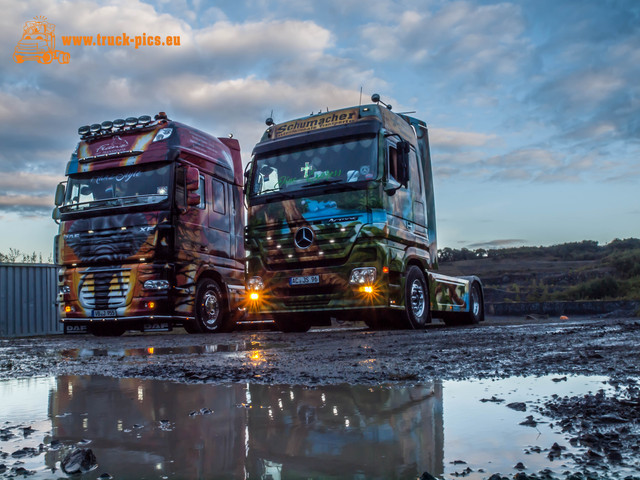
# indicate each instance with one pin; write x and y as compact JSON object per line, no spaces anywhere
{"x":64,"y":289}
{"x":255,"y":284}
{"x":163,"y":134}
{"x":156,"y":285}
{"x":363,"y":275}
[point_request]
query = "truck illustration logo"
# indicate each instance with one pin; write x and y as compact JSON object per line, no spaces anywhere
{"x":117,"y":144}
{"x":304,"y":238}
{"x":38,"y":43}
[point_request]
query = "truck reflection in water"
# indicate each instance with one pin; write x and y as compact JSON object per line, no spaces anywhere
{"x":142,"y":427}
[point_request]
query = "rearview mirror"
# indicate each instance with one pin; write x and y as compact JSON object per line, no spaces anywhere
{"x":59,"y":197}
{"x":193,"y":199}
{"x":193,"y":179}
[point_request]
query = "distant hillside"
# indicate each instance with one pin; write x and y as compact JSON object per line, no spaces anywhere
{"x":570,"y":271}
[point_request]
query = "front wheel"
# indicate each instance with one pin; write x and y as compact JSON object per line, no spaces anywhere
{"x":211,"y":313}
{"x":416,"y":312}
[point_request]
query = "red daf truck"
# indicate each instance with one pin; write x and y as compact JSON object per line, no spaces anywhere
{"x":151,"y":229}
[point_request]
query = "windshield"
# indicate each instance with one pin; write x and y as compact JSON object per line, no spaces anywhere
{"x":139,"y":185}
{"x":336,"y":161}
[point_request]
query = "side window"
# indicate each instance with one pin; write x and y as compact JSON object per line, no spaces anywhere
{"x":393,"y":161}
{"x":201,"y":191}
{"x":218,"y":197}
{"x":415,"y":179}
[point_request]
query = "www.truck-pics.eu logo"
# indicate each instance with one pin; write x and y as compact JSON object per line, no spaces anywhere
{"x":38,"y":43}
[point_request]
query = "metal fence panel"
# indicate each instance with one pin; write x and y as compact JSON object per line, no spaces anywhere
{"x":28,"y":294}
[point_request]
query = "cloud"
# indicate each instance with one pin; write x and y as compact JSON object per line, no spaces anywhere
{"x":498,"y":243}
{"x":224,"y":77}
{"x":459,"y":41}
{"x":455,"y":140}
{"x":27,"y":203}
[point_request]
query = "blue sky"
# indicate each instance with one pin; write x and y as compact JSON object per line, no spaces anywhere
{"x":533,"y":106}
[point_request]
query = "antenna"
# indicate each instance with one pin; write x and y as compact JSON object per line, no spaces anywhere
{"x":360,"y":96}
{"x":269,"y":121}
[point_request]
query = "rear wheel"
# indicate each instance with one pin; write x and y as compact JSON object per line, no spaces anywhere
{"x":476,"y":305}
{"x":416,"y":312}
{"x":291,"y":323}
{"x":211,"y":313}
{"x":63,"y":57}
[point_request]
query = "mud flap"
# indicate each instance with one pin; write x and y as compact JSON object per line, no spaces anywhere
{"x":157,"y":327}
{"x":73,"y":329}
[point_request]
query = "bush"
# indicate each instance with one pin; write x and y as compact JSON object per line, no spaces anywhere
{"x":627,"y":263}
{"x":596,"y":289}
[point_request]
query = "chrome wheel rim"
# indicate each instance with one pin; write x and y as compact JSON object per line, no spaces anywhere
{"x":475,"y":303}
{"x":417,"y":298}
{"x":211,"y":308}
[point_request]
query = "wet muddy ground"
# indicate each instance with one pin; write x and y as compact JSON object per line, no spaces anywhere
{"x":525,"y":399}
{"x":500,"y":347}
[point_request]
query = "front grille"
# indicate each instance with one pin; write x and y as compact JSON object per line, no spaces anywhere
{"x":104,"y":288}
{"x":331,"y":246}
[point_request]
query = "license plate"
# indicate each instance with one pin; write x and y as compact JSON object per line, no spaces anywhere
{"x":104,"y":313}
{"x":308,"y":280}
{"x":156,"y":327}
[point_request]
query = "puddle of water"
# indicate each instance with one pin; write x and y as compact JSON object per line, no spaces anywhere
{"x":151,"y":351}
{"x":155,"y":429}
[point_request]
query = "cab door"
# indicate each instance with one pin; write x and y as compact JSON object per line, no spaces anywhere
{"x":219,"y":219}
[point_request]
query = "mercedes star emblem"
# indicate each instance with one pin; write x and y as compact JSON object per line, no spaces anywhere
{"x":304,"y":237}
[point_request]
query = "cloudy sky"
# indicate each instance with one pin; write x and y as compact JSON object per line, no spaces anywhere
{"x":533,"y":106}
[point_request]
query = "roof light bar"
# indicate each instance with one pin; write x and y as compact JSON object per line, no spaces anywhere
{"x":97,"y":129}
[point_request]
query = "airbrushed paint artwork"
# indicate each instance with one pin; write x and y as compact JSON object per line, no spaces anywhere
{"x":341,"y":223}
{"x":151,"y":229}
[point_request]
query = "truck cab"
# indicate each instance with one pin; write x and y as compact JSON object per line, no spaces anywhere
{"x":150,"y":236}
{"x":341,"y":224}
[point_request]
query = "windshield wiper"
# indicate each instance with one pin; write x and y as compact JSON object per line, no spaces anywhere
{"x":328,"y":181}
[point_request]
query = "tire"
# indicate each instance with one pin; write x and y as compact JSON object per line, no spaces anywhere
{"x":416,"y":312}
{"x":63,"y":57}
{"x":211,"y":313}
{"x":46,"y":58}
{"x":476,"y":305}
{"x":107,"y":330}
{"x":290,"y":323}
